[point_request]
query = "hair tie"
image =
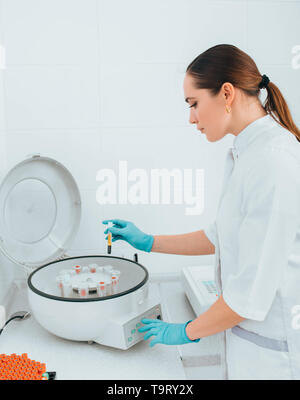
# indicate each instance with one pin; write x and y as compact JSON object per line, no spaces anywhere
{"x":264,"y":82}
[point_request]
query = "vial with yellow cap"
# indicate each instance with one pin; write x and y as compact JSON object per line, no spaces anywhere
{"x":109,"y":237}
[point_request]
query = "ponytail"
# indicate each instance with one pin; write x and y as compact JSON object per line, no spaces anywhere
{"x":276,"y":106}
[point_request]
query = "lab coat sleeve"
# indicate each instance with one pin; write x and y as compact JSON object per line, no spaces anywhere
{"x":270,"y":208}
{"x":211,"y":232}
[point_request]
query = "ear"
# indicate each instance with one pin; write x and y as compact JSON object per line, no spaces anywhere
{"x":228,"y":92}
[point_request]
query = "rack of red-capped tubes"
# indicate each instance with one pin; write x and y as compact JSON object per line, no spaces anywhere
{"x":15,"y":367}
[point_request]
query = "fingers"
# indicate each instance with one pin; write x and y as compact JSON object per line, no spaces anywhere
{"x":120,"y":222}
{"x":110,"y":230}
{"x":149,"y":321}
{"x":117,"y":237}
{"x":154,"y":342}
{"x":153,"y":328}
{"x":146,"y":328}
{"x":152,"y":332}
{"x":149,"y":324}
{"x":113,"y":230}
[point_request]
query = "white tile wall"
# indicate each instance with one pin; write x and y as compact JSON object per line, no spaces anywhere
{"x":272,"y":30}
{"x":92,"y":82}
{"x":155,"y":91}
{"x":51,"y":97}
{"x":166,"y":31}
{"x":56,"y":32}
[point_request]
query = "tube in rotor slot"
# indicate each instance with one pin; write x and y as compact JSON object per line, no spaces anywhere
{"x":59,"y":281}
{"x":92,"y":268}
{"x":67,"y":286}
{"x":113,"y":285}
{"x":77,"y":269}
{"x":108,"y":288}
{"x":101,"y":289}
{"x":115,"y":272}
{"x":83,"y":289}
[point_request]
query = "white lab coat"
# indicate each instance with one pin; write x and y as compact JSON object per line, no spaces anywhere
{"x":256,"y":235}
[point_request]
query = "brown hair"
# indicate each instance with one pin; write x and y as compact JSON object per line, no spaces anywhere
{"x":227,"y":63}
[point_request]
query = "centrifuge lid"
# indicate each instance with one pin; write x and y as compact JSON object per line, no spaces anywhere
{"x":40,"y":209}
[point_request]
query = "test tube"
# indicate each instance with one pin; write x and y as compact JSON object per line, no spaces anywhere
{"x":101,"y":289}
{"x":92,"y":268}
{"x":113,"y":284}
{"x":83,"y":289}
{"x":115,"y":272}
{"x":117,"y":284}
{"x":77,"y":269}
{"x":67,"y":286}
{"x":85,"y":269}
{"x":59,"y":280}
{"x":109,"y":237}
{"x":109,"y":288}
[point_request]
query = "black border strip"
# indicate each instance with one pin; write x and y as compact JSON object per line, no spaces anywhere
{"x":49,"y":296}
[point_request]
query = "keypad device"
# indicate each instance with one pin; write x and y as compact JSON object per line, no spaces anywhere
{"x":132,"y":335}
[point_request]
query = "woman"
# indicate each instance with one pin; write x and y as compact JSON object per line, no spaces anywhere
{"x":255,"y":235}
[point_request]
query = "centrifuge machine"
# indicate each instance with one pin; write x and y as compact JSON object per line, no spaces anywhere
{"x":100,"y":298}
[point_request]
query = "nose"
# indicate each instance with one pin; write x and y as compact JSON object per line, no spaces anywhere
{"x":192,"y":119}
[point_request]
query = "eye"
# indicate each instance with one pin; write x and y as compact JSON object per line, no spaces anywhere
{"x":193,"y":105}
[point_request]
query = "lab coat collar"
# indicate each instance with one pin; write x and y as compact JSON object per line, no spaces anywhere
{"x":250,"y":133}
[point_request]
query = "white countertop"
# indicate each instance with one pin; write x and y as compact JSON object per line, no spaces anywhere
{"x":80,"y":360}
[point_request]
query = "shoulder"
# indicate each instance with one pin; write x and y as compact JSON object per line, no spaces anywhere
{"x":277,"y":159}
{"x":273,"y":174}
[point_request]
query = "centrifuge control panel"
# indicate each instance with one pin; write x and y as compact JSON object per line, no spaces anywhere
{"x":132,"y":335}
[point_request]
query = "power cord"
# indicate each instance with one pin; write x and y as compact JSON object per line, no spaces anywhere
{"x":20,"y":315}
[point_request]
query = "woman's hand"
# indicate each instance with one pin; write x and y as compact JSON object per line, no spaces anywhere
{"x":165,"y":332}
{"x":125,"y":230}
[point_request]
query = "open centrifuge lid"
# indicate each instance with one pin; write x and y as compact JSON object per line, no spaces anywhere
{"x":40,"y":209}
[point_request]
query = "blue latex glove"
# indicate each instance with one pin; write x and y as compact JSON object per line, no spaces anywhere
{"x":165,"y":333}
{"x":125,"y":230}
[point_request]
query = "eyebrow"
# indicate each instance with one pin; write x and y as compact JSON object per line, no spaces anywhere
{"x":188,"y":98}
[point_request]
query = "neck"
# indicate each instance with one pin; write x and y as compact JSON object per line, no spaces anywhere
{"x":243,"y":118}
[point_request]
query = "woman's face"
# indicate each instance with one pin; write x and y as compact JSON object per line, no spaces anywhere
{"x":207,"y":112}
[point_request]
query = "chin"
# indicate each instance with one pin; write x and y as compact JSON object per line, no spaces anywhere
{"x":212,"y":139}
